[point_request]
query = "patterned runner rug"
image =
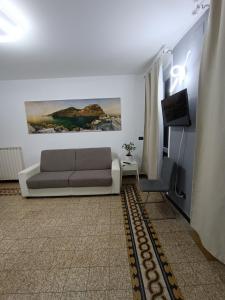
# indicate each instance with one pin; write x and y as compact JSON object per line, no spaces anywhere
{"x":9,"y":191}
{"x":152,"y":277}
{"x":9,"y":188}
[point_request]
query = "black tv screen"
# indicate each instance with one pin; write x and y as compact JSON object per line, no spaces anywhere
{"x":175,"y":109}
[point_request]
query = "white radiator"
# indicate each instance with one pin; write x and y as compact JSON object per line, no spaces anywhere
{"x":11,"y":162}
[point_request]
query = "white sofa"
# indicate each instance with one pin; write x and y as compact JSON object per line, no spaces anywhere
{"x":35,"y":171}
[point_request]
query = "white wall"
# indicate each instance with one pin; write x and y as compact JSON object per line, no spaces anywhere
{"x":13,"y":127}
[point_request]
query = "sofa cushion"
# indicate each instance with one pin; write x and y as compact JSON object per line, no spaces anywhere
{"x":49,"y":180}
{"x":93,"y":159}
{"x":57,"y":160}
{"x":90,"y":178}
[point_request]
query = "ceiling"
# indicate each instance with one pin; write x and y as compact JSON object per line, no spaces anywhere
{"x":68,"y":38}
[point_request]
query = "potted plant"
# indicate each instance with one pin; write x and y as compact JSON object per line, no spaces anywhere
{"x":129,"y":148}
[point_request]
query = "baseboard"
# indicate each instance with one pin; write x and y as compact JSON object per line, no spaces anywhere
{"x":178,"y":208}
{"x":9,"y":181}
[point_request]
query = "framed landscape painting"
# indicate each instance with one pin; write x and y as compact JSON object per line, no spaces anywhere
{"x":57,"y":116}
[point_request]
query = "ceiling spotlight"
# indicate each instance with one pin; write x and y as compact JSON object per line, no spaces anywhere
{"x":13,"y":23}
{"x":201,"y":5}
{"x":205,"y":6}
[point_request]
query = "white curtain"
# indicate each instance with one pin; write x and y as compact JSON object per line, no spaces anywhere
{"x":208,"y":199}
{"x":153,"y":133}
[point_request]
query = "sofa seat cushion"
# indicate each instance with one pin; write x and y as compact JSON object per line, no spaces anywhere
{"x":91,"y":178}
{"x":49,"y":180}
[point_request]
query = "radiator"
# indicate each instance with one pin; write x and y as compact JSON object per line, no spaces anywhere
{"x":11,"y":162}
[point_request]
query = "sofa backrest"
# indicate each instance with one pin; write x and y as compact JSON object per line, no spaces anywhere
{"x":93,"y":159}
{"x":57,"y":160}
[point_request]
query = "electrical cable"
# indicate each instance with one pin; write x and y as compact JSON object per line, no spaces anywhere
{"x":178,"y":160}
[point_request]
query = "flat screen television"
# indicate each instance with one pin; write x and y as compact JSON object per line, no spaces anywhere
{"x":175,"y":110}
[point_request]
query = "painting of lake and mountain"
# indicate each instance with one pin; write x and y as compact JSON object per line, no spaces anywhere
{"x":59,"y":116}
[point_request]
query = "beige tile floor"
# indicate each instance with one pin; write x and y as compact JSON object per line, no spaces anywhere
{"x":75,"y":248}
{"x":63,"y":248}
{"x":199,"y":276}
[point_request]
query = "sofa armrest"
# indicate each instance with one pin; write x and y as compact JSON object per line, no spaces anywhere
{"x":116,"y":176}
{"x":24,"y":175}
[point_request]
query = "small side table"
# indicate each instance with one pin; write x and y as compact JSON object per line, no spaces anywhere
{"x":129,"y":168}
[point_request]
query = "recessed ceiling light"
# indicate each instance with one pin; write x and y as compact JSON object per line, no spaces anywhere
{"x":13,"y":23}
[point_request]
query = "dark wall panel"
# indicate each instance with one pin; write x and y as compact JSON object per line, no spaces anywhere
{"x":192,"y":41}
